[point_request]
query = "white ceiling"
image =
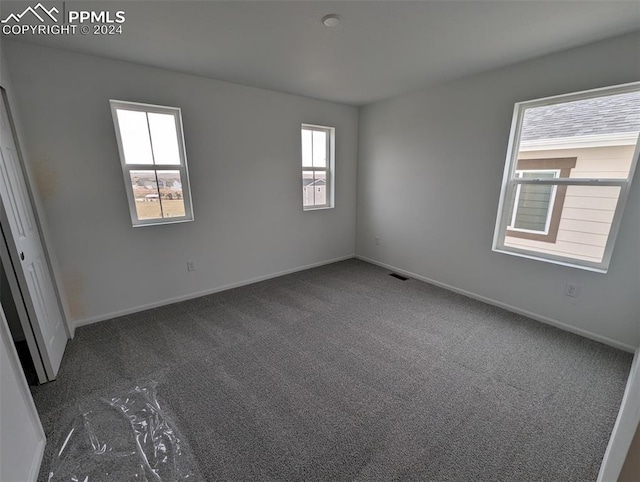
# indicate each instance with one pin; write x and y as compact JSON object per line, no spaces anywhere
{"x":381,"y":48}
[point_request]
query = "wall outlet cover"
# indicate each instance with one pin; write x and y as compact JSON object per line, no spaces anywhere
{"x":571,"y":290}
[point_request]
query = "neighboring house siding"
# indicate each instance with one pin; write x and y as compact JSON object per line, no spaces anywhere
{"x":588,"y":211}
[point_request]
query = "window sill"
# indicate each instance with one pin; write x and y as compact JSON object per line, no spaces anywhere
{"x":163,"y":223}
{"x":320,"y":208}
{"x":559,"y":262}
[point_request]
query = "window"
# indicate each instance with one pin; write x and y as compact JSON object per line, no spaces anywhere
{"x":570,"y":163}
{"x":317,"y":166}
{"x":531,"y":210}
{"x":153,"y":161}
{"x":536,"y":211}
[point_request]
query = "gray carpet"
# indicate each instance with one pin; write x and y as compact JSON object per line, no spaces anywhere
{"x":345,"y":373}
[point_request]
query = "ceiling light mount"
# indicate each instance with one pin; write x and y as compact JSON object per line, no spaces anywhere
{"x":332,"y":20}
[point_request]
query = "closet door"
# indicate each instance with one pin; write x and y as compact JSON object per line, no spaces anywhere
{"x":27,"y":254}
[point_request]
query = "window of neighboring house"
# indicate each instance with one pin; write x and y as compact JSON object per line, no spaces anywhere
{"x":537,"y":210}
{"x":154,"y":162}
{"x":568,"y":172}
{"x":318,"y":179}
{"x":531,"y":210}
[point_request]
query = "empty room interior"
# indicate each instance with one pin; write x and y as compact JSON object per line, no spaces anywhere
{"x":311,"y":240}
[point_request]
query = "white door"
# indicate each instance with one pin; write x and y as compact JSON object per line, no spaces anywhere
{"x":27,"y":254}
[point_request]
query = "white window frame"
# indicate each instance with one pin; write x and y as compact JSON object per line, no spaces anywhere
{"x":127,"y":168}
{"x":329,"y":170}
{"x":552,"y":200}
{"x":511,"y":180}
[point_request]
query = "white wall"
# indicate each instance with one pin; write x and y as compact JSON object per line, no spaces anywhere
{"x":243,"y":150}
{"x":429,"y":176}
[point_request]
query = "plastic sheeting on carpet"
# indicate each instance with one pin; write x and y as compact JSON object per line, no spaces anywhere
{"x":124,"y":437}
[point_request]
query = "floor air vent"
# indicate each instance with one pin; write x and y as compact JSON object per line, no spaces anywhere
{"x":399,"y":276}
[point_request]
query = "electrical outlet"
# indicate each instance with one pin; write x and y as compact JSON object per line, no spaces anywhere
{"x":191,"y":266}
{"x":571,"y":290}
{"x":376,"y":240}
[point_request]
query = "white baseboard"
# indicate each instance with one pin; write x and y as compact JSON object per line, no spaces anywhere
{"x":137,"y":309}
{"x":500,"y":304}
{"x":625,"y":427}
{"x":508,"y":307}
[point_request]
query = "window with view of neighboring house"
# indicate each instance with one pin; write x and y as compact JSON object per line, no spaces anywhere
{"x":154,"y":162}
{"x":318,"y":176}
{"x":568,"y":171}
{"x":531,"y":209}
{"x":537,"y":210}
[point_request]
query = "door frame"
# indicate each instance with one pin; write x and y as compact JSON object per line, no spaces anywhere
{"x":16,"y":294}
{"x":29,"y":405}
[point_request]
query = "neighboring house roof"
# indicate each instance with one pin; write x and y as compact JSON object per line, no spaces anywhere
{"x":311,"y":182}
{"x":602,"y":115}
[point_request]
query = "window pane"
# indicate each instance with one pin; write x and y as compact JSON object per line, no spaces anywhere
{"x":585,"y":136}
{"x":158,"y":189}
{"x":315,"y":165}
{"x":171,"y":199}
{"x":319,"y":149}
{"x":307,"y":152}
{"x":145,"y":192}
{"x":308,"y":192}
{"x":600,"y":133}
{"x":583,"y":224}
{"x":534,"y":203}
{"x":164,"y":138}
{"x":134,"y":133}
{"x":320,"y":188}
